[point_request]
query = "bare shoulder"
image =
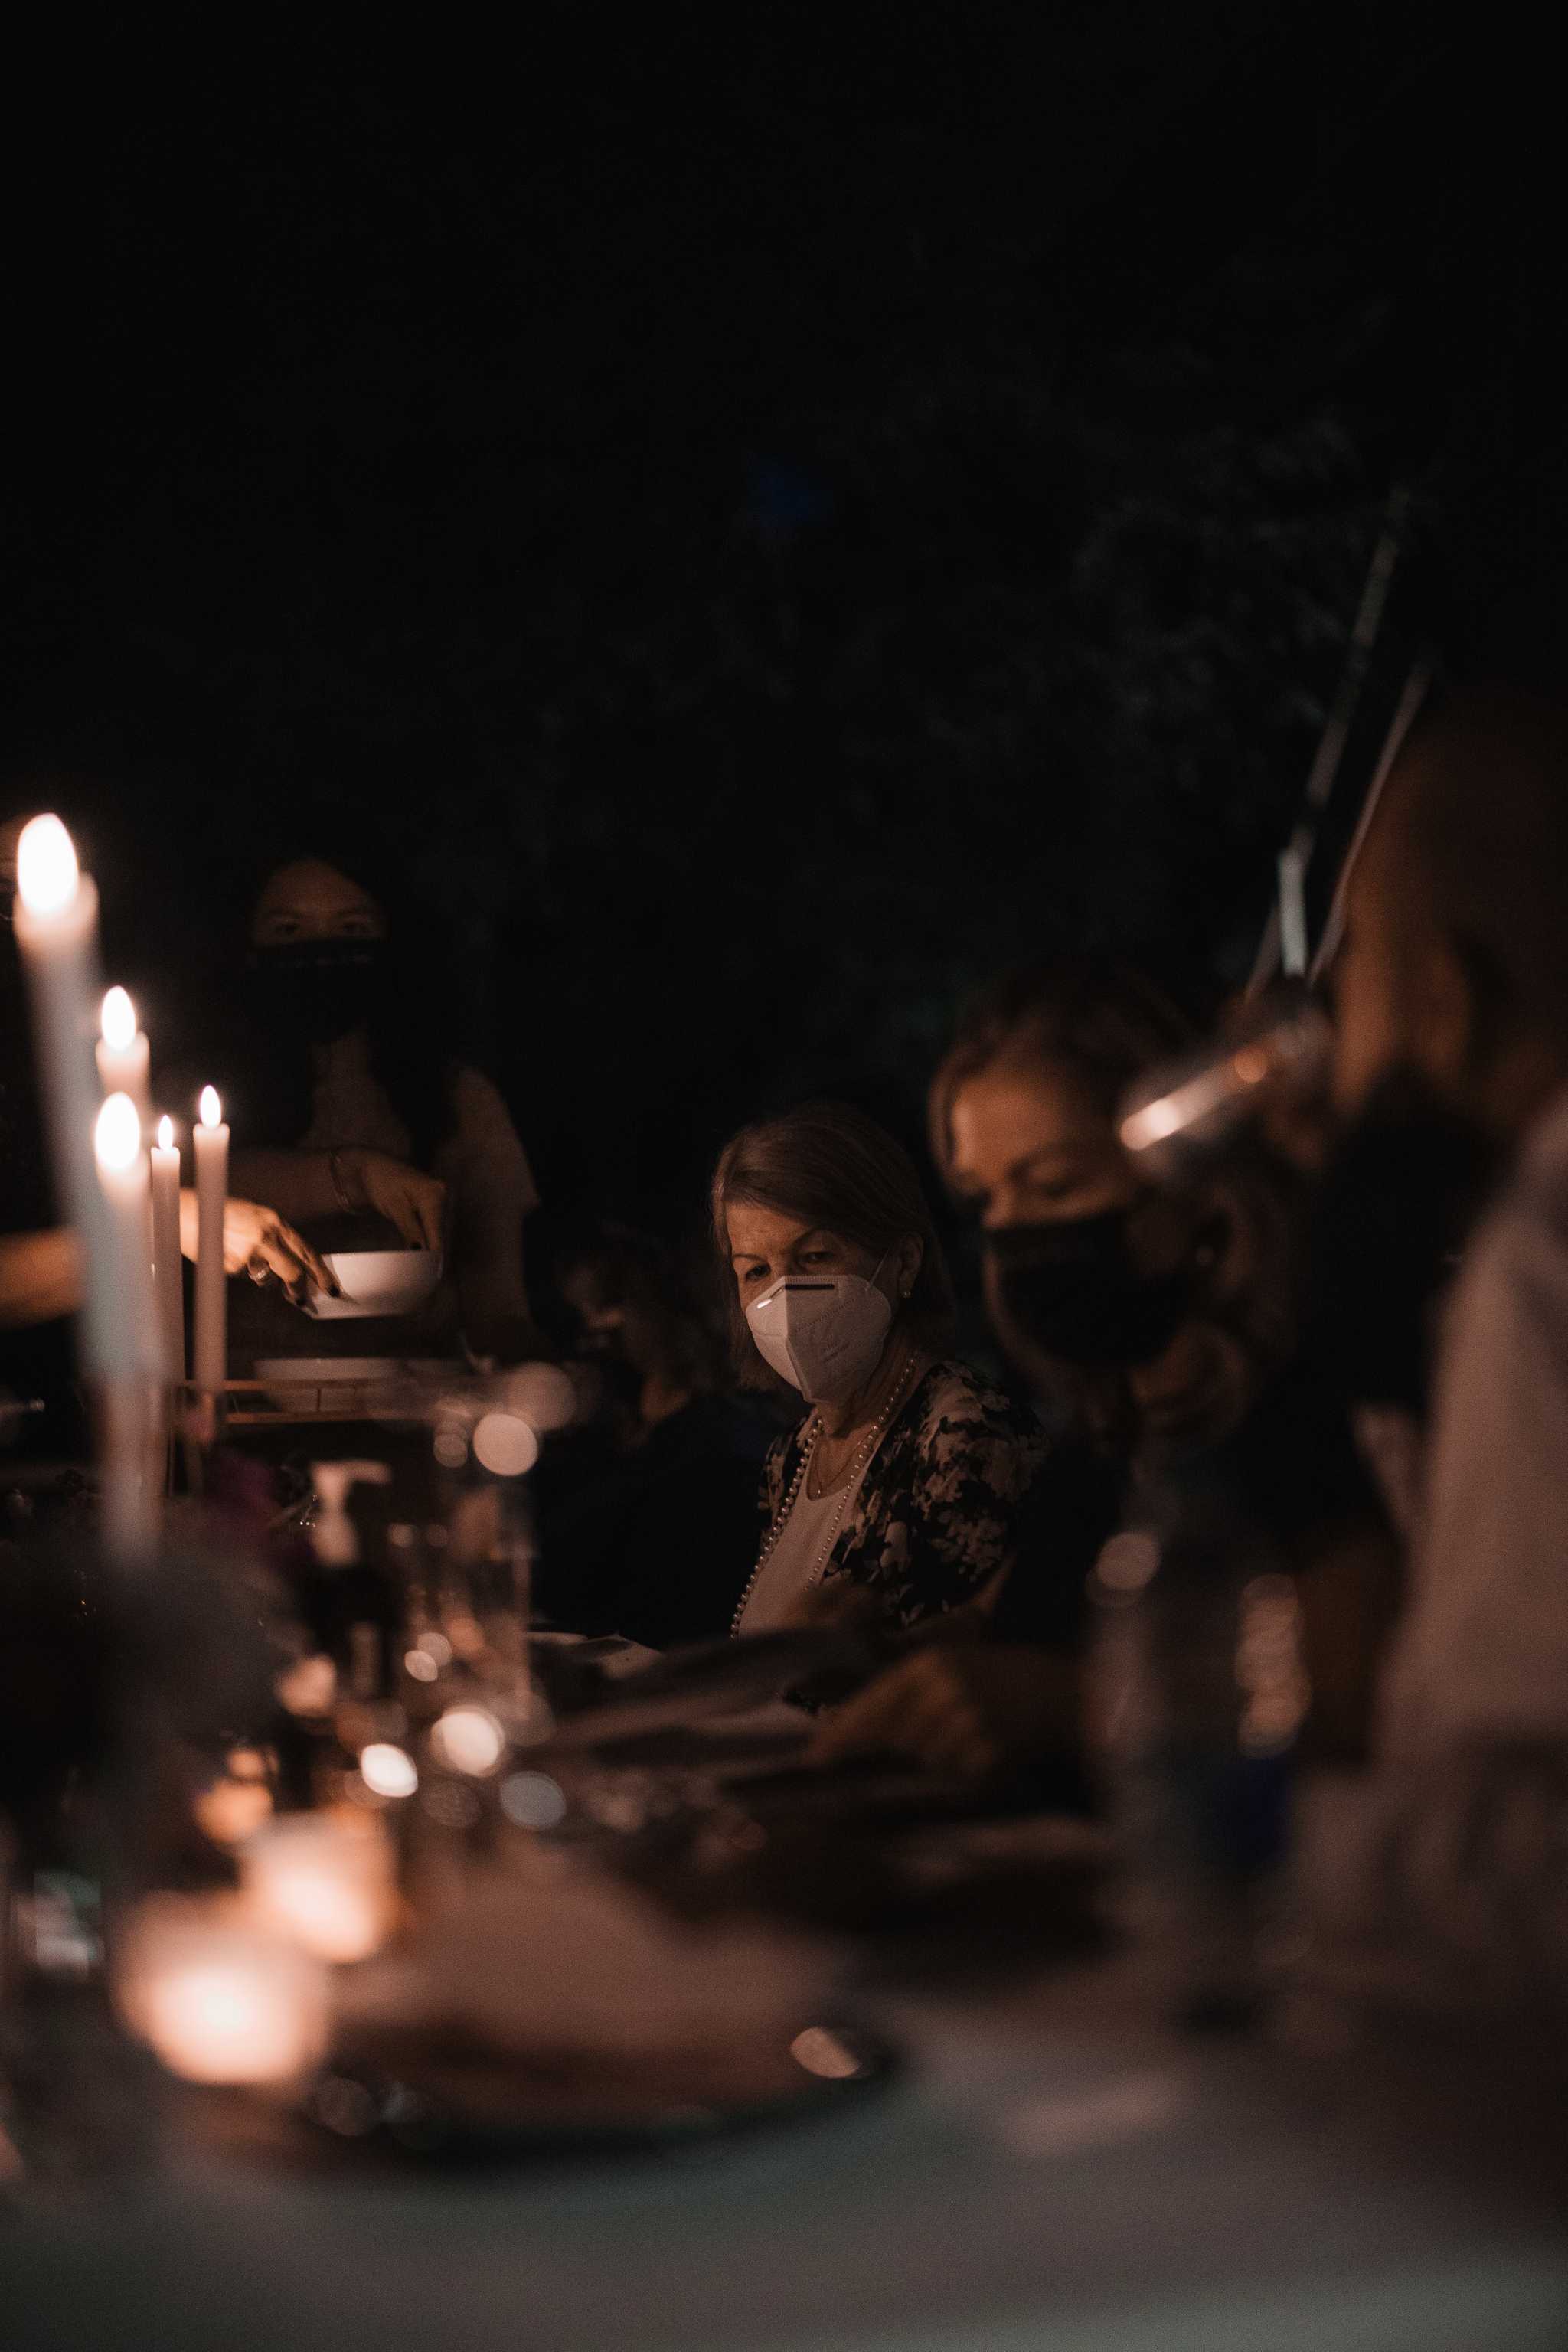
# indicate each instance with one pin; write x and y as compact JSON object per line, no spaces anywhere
{"x":484,"y":1145}
{"x":478,"y":1104}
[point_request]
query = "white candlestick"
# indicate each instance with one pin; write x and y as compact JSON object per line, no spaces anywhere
{"x":210,"y":1351}
{"x":167,"y":1281}
{"x":129,"y":1496}
{"x":57,"y":935}
{"x":121,"y":1051}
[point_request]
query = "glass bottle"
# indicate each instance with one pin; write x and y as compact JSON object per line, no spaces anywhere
{"x":1199,"y":1694}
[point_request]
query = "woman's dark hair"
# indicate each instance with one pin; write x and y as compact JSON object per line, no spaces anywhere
{"x":415,"y":1051}
{"x":1099,"y":1017}
{"x":830,"y":1165}
{"x":636,"y":1270}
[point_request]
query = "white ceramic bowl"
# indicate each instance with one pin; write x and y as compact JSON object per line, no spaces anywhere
{"x":377,"y":1282}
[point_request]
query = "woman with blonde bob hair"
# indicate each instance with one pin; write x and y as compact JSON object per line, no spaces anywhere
{"x":902,"y":1492}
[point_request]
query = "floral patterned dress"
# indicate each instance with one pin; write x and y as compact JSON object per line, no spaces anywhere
{"x":944,"y":1500}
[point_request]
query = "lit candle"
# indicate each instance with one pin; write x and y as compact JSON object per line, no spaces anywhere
{"x":211,"y":1141}
{"x":324,"y":1879}
{"x":123,"y":1179}
{"x":130,"y":1497}
{"x":122,"y":1052}
{"x":166,"y":1271}
{"x":57,"y":937}
{"x":230,"y":1810}
{"x":218,"y":1998}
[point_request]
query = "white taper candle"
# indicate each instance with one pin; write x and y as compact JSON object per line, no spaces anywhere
{"x":121,"y":1052}
{"x":210,"y":1139}
{"x":167,"y":1279}
{"x":56,"y":936}
{"x":131,"y":1501}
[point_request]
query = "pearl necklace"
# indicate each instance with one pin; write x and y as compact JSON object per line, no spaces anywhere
{"x":862,"y":1454}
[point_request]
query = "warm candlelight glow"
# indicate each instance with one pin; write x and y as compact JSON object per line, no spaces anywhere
{"x":117,"y":1139}
{"x":218,"y":1998}
{"x":119,"y":1020}
{"x":387,"y":1770}
{"x":230,"y":1809}
{"x":468,"y":1739}
{"x":165,"y":1133}
{"x":211,"y":1108}
{"x":322,"y":1879}
{"x":544,"y":1394}
{"x":505,"y":1445}
{"x":46,"y":872}
{"x":1153,"y":1124}
{"x":325,"y":1880}
{"x":824,"y":2053}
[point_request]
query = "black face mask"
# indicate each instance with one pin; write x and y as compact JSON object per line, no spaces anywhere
{"x":318,"y":989}
{"x":1402,"y":1187}
{"x":1071,"y":1287}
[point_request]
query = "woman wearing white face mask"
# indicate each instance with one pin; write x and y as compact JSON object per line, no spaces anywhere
{"x":904,"y":1490}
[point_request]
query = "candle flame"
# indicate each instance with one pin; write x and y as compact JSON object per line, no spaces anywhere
{"x":212,"y":1107}
{"x":118,"y":1137}
{"x":165,"y":1133}
{"x":119,"y":1020}
{"x":46,"y":870}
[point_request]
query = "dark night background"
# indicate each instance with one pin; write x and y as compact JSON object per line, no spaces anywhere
{"x":773,"y":513}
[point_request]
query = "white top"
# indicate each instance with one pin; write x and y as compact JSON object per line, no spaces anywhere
{"x":1482,"y":1653}
{"x":797,"y":1560}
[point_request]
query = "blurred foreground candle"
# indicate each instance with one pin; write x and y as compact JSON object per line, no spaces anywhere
{"x":122,"y":1052}
{"x":216,"y":1996}
{"x":57,"y":937}
{"x":324,"y":1879}
{"x":210,"y":1354}
{"x":166,"y":1272}
{"x":233,"y":1807}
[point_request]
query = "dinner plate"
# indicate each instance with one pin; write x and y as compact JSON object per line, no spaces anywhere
{"x":702,"y":1679}
{"x":465,"y":2104}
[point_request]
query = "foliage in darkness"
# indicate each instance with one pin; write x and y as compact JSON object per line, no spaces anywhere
{"x":764,"y":563}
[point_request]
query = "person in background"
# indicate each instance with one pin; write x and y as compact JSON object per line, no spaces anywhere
{"x":644,"y":1511}
{"x":354,"y":1111}
{"x":1161,"y":1325}
{"x":904,"y":1492}
{"x":1451,"y":1000}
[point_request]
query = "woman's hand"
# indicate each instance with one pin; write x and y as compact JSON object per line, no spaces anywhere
{"x":40,"y":1276}
{"x":256,"y":1242}
{"x":968,"y":1708}
{"x":405,"y":1196}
